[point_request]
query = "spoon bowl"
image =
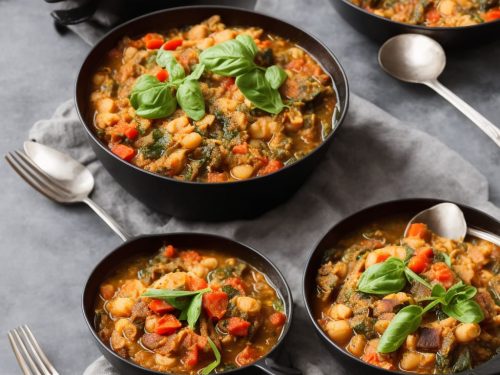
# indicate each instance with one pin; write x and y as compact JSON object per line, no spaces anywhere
{"x":412,"y":58}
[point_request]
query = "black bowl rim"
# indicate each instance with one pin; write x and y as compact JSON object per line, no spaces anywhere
{"x":420,"y":27}
{"x":314,"y":249}
{"x":101,"y":344}
{"x":343,"y":110}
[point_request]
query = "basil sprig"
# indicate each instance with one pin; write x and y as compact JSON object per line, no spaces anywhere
{"x":383,"y":278}
{"x":153,"y":99}
{"x":190,"y":308}
{"x":212,"y":366}
{"x":235,"y":58}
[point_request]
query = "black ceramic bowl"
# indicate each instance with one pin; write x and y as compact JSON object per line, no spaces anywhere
{"x":209,"y":201}
{"x":406,"y":206}
{"x":381,"y":29}
{"x":149,"y":245}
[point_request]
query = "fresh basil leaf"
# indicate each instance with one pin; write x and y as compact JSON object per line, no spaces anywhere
{"x":167,"y":60}
{"x":410,"y":275}
{"x":190,"y":99}
{"x":230,"y":58}
{"x":183,"y":315}
{"x":194,"y":310}
{"x":467,"y":311}
{"x":459,"y":292}
{"x":438,"y":291}
{"x":151,"y":98}
{"x":249,"y":45}
{"x":383,"y":278}
{"x":212,"y":366}
{"x":406,"y":321}
{"x":197,"y":72}
{"x":164,"y":293}
{"x":257,"y":89}
{"x":275,"y":76}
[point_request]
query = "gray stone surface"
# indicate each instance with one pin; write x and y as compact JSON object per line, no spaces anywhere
{"x":47,"y":250}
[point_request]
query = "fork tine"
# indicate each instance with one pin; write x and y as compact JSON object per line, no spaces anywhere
{"x":25,"y":352}
{"x":41,"y":172}
{"x":19,"y":357}
{"x":14,"y":164}
{"x":37,"y":350}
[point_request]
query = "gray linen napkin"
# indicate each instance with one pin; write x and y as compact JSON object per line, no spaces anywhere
{"x":373,"y":158}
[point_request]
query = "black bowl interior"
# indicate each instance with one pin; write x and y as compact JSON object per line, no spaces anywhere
{"x":149,"y":245}
{"x":380,"y":29}
{"x":180,"y":17}
{"x":408,"y":207}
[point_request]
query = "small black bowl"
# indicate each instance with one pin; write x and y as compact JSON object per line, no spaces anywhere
{"x":209,"y":201}
{"x":408,"y":207}
{"x":381,"y":28}
{"x":149,"y":245}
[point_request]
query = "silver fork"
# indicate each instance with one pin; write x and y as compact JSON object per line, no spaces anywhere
{"x":29,"y":355}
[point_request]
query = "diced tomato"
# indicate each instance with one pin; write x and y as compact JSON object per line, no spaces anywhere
{"x":167,"y":325}
{"x":160,"y":307}
{"x":426,"y":252}
{"x":419,"y":230}
{"x":195,"y":283}
{"x":374,"y":359}
{"x":122,"y":151}
{"x":418,"y":263}
{"x":154,"y":43}
{"x":432,"y":15}
{"x":170,"y":251}
{"x":277,"y":319}
{"x":172,"y":44}
{"x":492,"y":15}
{"x":381,"y":257}
{"x":131,"y":133}
{"x":296,"y":64}
{"x":240,"y":149}
{"x":236,"y":283}
{"x":190,"y":256}
{"x":162,"y":75}
{"x":247,"y":356}
{"x":443,"y":274}
{"x":215,"y":304}
{"x":192,"y":355}
{"x":228,"y":82}
{"x":238,"y":326}
{"x":271,"y":167}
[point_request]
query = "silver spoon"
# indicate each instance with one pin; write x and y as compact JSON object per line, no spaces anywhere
{"x":417,"y":58}
{"x":73,"y":177}
{"x":447,"y":220}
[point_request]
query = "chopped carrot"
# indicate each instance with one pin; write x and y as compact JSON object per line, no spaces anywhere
{"x":238,"y":326}
{"x":236,"y":283}
{"x":433,"y":15}
{"x":195,"y":283}
{"x":190,"y":256}
{"x":191,"y":357}
{"x":170,"y":251}
{"x":426,"y":252}
{"x":228,"y":82}
{"x":172,"y":44}
{"x":277,"y":319}
{"x":248,"y":355}
{"x":160,"y":307}
{"x":492,"y":15}
{"x":271,"y":167}
{"x":419,"y":230}
{"x":122,"y":151}
{"x":162,"y":75}
{"x":154,"y":43}
{"x":240,"y":149}
{"x":167,"y":325}
{"x":131,"y":133}
{"x":443,"y":274}
{"x":381,"y":257}
{"x":296,"y":64}
{"x":418,"y":263}
{"x":215,"y":304}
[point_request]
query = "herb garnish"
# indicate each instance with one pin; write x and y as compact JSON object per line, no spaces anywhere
{"x":212,"y":366}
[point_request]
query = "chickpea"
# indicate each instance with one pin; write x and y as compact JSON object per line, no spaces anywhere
{"x":179,"y":125}
{"x":126,"y":328}
{"x":224,"y":35}
{"x":176,"y":160}
{"x":410,"y":361}
{"x":340,"y":311}
{"x":447,"y":7}
{"x":357,"y":345}
{"x":98,"y":79}
{"x":117,"y":341}
{"x":248,"y":305}
{"x":200,"y":271}
{"x":466,"y":332}
{"x":210,"y":263}
{"x":205,"y":43}
{"x":263,"y":128}
{"x":339,"y":331}
{"x":191,"y":141}
{"x":172,"y":281}
{"x":103,"y":120}
{"x":107,"y":291}
{"x":131,"y":288}
{"x":198,"y":32}
{"x":121,"y":306}
{"x":106,"y":105}
{"x":150,"y":323}
{"x":242,"y":172}
{"x":411,"y":342}
{"x":164,"y":360}
{"x":381,"y":326}
{"x":129,"y":53}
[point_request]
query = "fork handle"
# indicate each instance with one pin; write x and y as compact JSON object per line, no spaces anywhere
{"x":108,"y":219}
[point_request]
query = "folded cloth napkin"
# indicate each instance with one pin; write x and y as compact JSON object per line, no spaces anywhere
{"x":373,"y":158}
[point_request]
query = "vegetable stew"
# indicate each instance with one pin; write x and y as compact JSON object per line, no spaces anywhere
{"x":189,"y":312}
{"x":423,"y":303}
{"x":211,"y":103}
{"x":434,"y":13}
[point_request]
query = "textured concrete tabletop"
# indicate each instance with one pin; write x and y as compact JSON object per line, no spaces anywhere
{"x":47,"y":250}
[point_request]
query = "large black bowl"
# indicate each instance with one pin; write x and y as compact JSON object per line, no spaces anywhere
{"x":209,"y":201}
{"x":405,"y":207}
{"x":381,"y":29}
{"x":149,"y":245}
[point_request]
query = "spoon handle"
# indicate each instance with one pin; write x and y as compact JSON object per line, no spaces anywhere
{"x":487,"y":236}
{"x":108,"y":219}
{"x":484,"y":124}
